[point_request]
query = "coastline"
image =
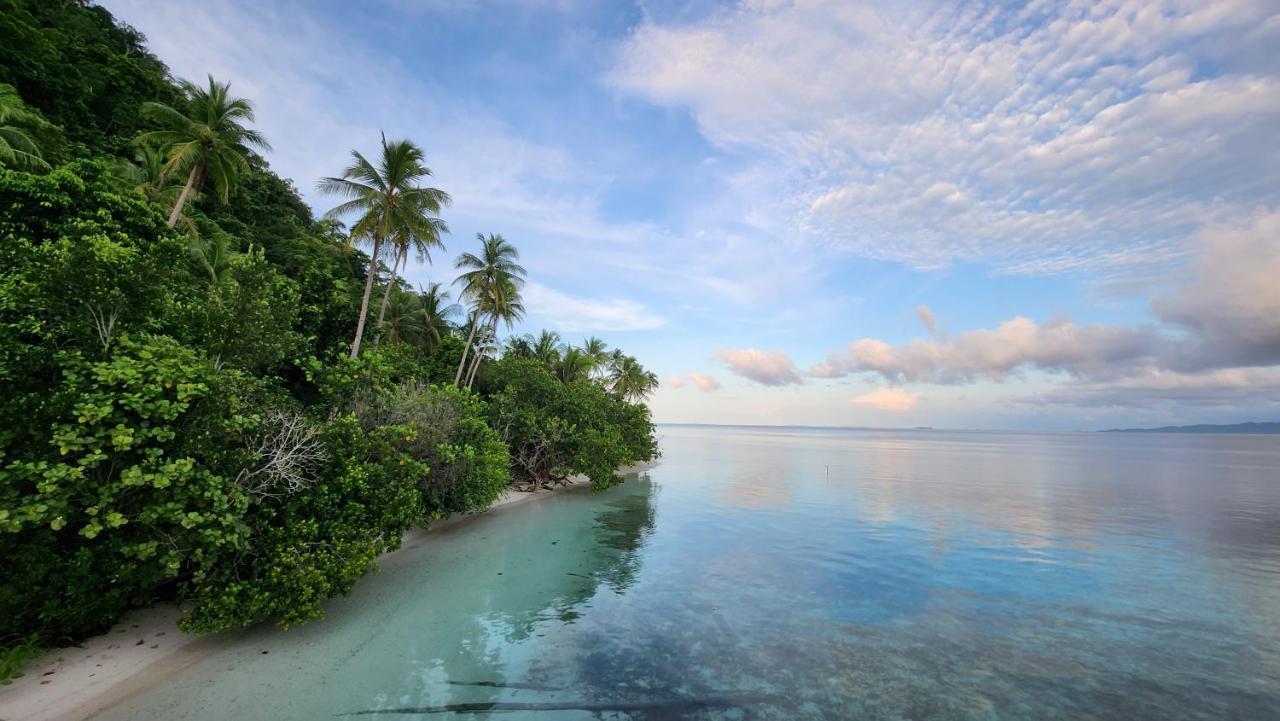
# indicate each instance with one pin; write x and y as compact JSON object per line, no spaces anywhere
{"x":76,"y":682}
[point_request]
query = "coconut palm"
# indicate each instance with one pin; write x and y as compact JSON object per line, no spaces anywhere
{"x":487,"y":278}
{"x":519,"y":347}
{"x":405,"y":318}
{"x":575,"y":365}
{"x":387,"y":201}
{"x":214,"y":256}
{"x":598,"y":352}
{"x":504,"y":306}
{"x":629,"y":379}
{"x":420,"y":243}
{"x":17,"y":149}
{"x":547,"y":348}
{"x":437,"y":312}
{"x":206,"y":140}
{"x":145,"y":175}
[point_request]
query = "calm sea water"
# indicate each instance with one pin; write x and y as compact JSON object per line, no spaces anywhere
{"x":806,"y":574}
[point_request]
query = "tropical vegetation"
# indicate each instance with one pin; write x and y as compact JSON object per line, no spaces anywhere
{"x":188,"y":409}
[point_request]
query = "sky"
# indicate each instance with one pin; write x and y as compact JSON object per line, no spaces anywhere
{"x":1054,"y":216}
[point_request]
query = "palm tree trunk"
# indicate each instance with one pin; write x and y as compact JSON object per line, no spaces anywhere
{"x":182,"y":197}
{"x":386,"y":295}
{"x":470,"y":336}
{"x":475,"y":366}
{"x":364,"y":302}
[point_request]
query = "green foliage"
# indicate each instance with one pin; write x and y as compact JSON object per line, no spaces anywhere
{"x":13,"y":658}
{"x":127,"y":494}
{"x":318,"y":542}
{"x":555,"y":429}
{"x":444,"y":429}
{"x":179,"y":417}
{"x":245,"y":317}
{"x":81,"y":69}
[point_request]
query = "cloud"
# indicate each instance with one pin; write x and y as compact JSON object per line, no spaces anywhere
{"x":927,"y":319}
{"x":770,"y":368}
{"x":704,"y":383}
{"x":887,"y":399}
{"x":571,"y":313}
{"x":674,"y":382}
{"x":1055,"y":138}
{"x":1059,"y":345}
{"x":1231,"y":299}
{"x":1224,"y":314}
{"x":1245,"y":389}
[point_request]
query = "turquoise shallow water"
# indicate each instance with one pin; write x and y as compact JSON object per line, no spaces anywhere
{"x":812,"y":574}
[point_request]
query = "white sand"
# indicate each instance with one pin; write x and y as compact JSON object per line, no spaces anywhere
{"x":74,"y":683}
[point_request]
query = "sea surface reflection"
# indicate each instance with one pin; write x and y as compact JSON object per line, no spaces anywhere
{"x":813,"y":574}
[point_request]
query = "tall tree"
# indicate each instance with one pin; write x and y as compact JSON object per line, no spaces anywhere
{"x":17,"y":149}
{"x":504,"y":306}
{"x":206,"y":140}
{"x":490,"y":275}
{"x":145,"y":175}
{"x":629,"y":379}
{"x":598,"y":352}
{"x":421,"y":244}
{"x":388,"y":201}
{"x":437,"y":311}
{"x":547,"y":348}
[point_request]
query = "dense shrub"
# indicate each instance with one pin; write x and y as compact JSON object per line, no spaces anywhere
{"x":128,"y":494}
{"x":445,"y":429}
{"x":556,"y":429}
{"x":314,"y":542}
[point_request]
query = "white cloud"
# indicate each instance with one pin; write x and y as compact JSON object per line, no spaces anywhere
{"x":1058,"y":345}
{"x":770,"y":368}
{"x":1056,"y":138}
{"x":704,"y":383}
{"x":887,"y":399}
{"x":1231,"y":299}
{"x":570,"y":313}
{"x":674,"y":382}
{"x":1218,"y":337}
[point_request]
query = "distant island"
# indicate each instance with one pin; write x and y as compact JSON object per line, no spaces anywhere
{"x":1265,"y":427}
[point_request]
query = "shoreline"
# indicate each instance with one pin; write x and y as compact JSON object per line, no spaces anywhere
{"x":73,"y":683}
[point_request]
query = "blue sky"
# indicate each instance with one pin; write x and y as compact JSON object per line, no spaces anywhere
{"x":1050,"y":215}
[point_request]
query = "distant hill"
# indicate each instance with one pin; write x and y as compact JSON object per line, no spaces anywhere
{"x":1270,"y":427}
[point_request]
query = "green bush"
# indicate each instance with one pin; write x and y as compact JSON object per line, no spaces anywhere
{"x":555,"y":429}
{"x":126,"y":497}
{"x":316,"y":542}
{"x":445,"y":429}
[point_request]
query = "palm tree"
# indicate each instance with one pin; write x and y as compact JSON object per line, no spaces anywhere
{"x":629,"y":379}
{"x":206,"y":140}
{"x":213,"y":257}
{"x":405,"y":319}
{"x":17,"y":149}
{"x":437,"y":310}
{"x":388,"y":201}
{"x":547,"y":348}
{"x":598,"y":352}
{"x":421,"y":244}
{"x":145,"y":175}
{"x":504,"y":306}
{"x":488,"y":278}
{"x":575,"y":365}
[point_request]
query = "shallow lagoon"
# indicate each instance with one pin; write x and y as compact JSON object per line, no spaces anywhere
{"x":795,"y":574}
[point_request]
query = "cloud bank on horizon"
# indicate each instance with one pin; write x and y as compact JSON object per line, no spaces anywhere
{"x":1051,"y":214}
